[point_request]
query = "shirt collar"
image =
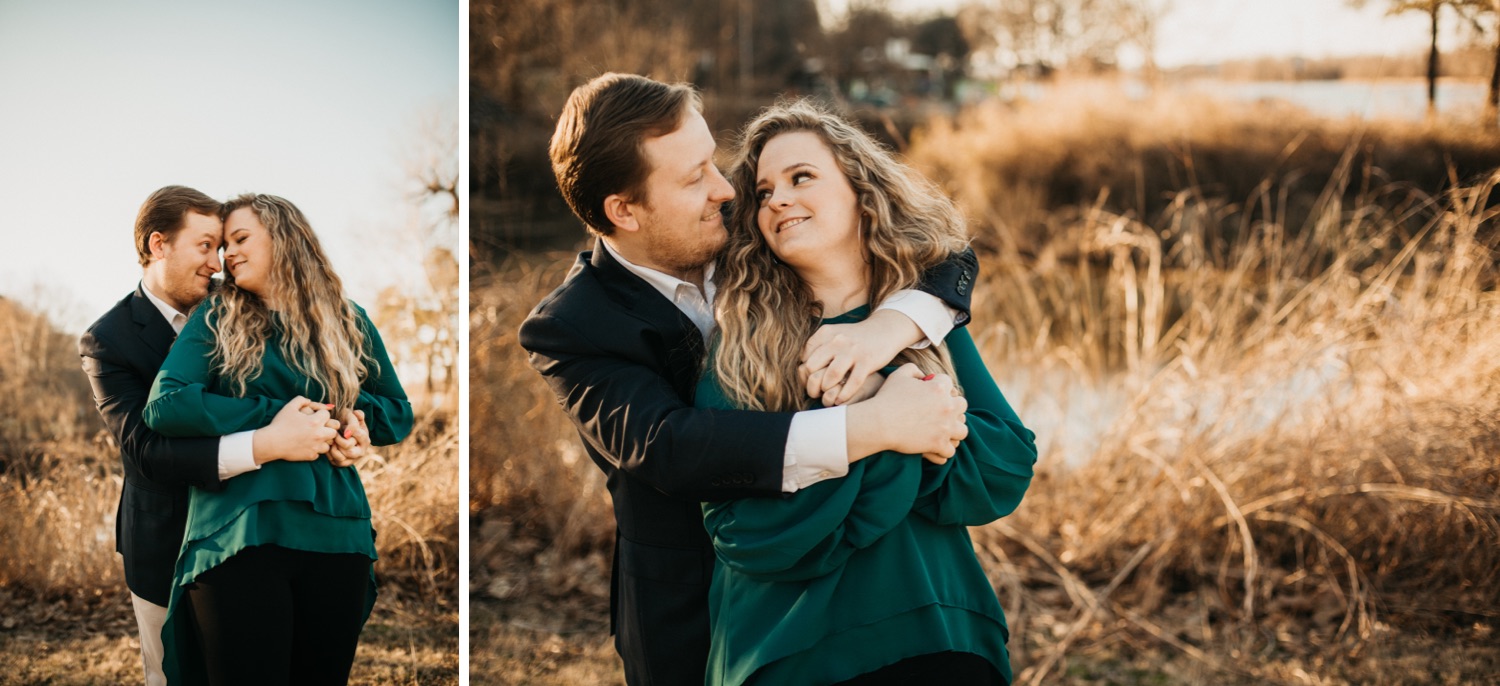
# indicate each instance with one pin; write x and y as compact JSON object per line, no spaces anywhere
{"x":664,"y":283}
{"x":167,"y":311}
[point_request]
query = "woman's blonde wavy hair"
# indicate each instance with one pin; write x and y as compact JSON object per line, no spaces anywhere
{"x":321,"y":336}
{"x":765,"y":311}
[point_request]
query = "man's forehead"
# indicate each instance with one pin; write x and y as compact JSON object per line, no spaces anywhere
{"x":684,"y":149}
{"x":199,"y":225}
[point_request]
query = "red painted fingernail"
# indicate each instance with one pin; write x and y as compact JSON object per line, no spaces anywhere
{"x":929,"y":377}
{"x":330,"y":405}
{"x":347,"y":432}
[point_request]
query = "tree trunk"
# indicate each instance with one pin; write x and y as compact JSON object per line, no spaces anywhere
{"x":1432,"y":64}
{"x":1492,"y":110}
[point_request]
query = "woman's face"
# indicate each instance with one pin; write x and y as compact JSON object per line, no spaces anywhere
{"x":807,"y":209}
{"x":247,"y":251}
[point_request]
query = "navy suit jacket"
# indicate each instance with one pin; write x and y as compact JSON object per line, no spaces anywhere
{"x":122,"y":353}
{"x":624,"y":364}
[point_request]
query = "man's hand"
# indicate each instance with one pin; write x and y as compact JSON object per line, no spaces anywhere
{"x":300,"y":432}
{"x":913,"y":413}
{"x":838,"y":358}
{"x":352,"y":443}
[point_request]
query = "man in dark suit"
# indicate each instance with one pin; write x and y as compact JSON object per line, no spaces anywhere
{"x":622,"y":340}
{"x":177,"y":237}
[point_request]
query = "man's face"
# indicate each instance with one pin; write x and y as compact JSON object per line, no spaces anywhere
{"x":188,"y":261}
{"x":679,"y":215}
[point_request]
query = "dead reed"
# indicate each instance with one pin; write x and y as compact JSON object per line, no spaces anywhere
{"x":60,"y":481}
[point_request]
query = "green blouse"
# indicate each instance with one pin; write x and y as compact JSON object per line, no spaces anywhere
{"x":310,"y":506}
{"x":849,"y":575}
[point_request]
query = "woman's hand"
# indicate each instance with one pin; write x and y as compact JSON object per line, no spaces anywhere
{"x":352,"y":441}
{"x":300,"y":432}
{"x":839,"y":358}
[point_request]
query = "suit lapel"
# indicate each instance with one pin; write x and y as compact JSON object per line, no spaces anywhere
{"x":153,"y":328}
{"x":684,"y":342}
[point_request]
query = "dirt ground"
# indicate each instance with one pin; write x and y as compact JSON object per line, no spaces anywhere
{"x":88,"y":641}
{"x":540,"y":617}
{"x":549,"y":642}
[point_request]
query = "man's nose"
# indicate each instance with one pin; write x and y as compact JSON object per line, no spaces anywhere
{"x":214,"y":262}
{"x":722,"y":190}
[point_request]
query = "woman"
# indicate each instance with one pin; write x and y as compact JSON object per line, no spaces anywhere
{"x":274,"y":581}
{"x":870,"y":578}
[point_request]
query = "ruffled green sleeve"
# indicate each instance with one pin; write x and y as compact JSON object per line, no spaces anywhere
{"x":180,"y":403}
{"x":992,"y":468}
{"x":811,"y":532}
{"x":388,"y":413}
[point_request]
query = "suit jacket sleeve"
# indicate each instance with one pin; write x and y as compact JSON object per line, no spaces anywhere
{"x":180,"y":403}
{"x":952,"y":281}
{"x":120,"y":393}
{"x":633,"y":418}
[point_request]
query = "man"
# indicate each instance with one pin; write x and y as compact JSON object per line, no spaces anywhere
{"x":177,"y":238}
{"x":622,"y":340}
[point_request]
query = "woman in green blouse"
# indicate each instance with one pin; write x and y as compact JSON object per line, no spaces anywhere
{"x":274,"y":580}
{"x":870,"y":578}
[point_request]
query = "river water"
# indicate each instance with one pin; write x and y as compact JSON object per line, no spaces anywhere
{"x":1391,"y":98}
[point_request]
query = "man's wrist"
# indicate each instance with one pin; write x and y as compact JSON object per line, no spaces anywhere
{"x":237,"y":454}
{"x":865,"y":430}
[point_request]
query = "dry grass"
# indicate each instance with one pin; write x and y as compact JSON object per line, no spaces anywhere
{"x":61,"y":580}
{"x":1266,"y":386}
{"x":1018,"y":170}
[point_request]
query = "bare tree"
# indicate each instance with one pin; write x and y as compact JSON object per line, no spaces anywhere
{"x":1042,"y":35}
{"x":421,"y":323}
{"x":1138,"y":22}
{"x":1432,"y":9}
{"x":1475,"y":11}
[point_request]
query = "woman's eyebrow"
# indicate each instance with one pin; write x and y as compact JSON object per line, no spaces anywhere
{"x":789,"y":168}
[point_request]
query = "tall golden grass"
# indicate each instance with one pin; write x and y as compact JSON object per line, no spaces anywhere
{"x":61,"y":481}
{"x":1288,"y":363}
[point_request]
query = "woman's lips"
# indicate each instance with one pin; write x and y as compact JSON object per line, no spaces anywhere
{"x":789,"y":223}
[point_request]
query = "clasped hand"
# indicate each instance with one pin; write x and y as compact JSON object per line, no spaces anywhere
{"x":303,"y":430}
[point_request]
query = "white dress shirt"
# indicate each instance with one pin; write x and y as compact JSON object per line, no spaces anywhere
{"x":817,"y":444}
{"x":236,"y":451}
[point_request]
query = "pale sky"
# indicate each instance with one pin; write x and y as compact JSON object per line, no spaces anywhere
{"x":1208,"y":31}
{"x":103,"y":102}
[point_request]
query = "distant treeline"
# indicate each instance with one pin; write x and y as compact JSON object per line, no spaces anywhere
{"x":527,"y":55}
{"x":892,"y":73}
{"x":1465,"y":63}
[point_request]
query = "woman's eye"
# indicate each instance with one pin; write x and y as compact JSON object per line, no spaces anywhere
{"x":761,"y":196}
{"x":799,"y":177}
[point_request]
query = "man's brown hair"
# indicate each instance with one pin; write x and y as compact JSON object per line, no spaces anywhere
{"x":165,"y":212}
{"x":597,"y":148}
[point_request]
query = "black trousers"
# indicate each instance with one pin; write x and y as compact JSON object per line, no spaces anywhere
{"x":273,"y":615}
{"x":933,"y":668}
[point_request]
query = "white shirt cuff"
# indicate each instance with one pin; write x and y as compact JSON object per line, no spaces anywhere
{"x":817,"y":448}
{"x":236,"y":454}
{"x":931,"y":315}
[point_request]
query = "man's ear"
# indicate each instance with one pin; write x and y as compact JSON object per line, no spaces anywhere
{"x":621,"y":212}
{"x":157,"y":244}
